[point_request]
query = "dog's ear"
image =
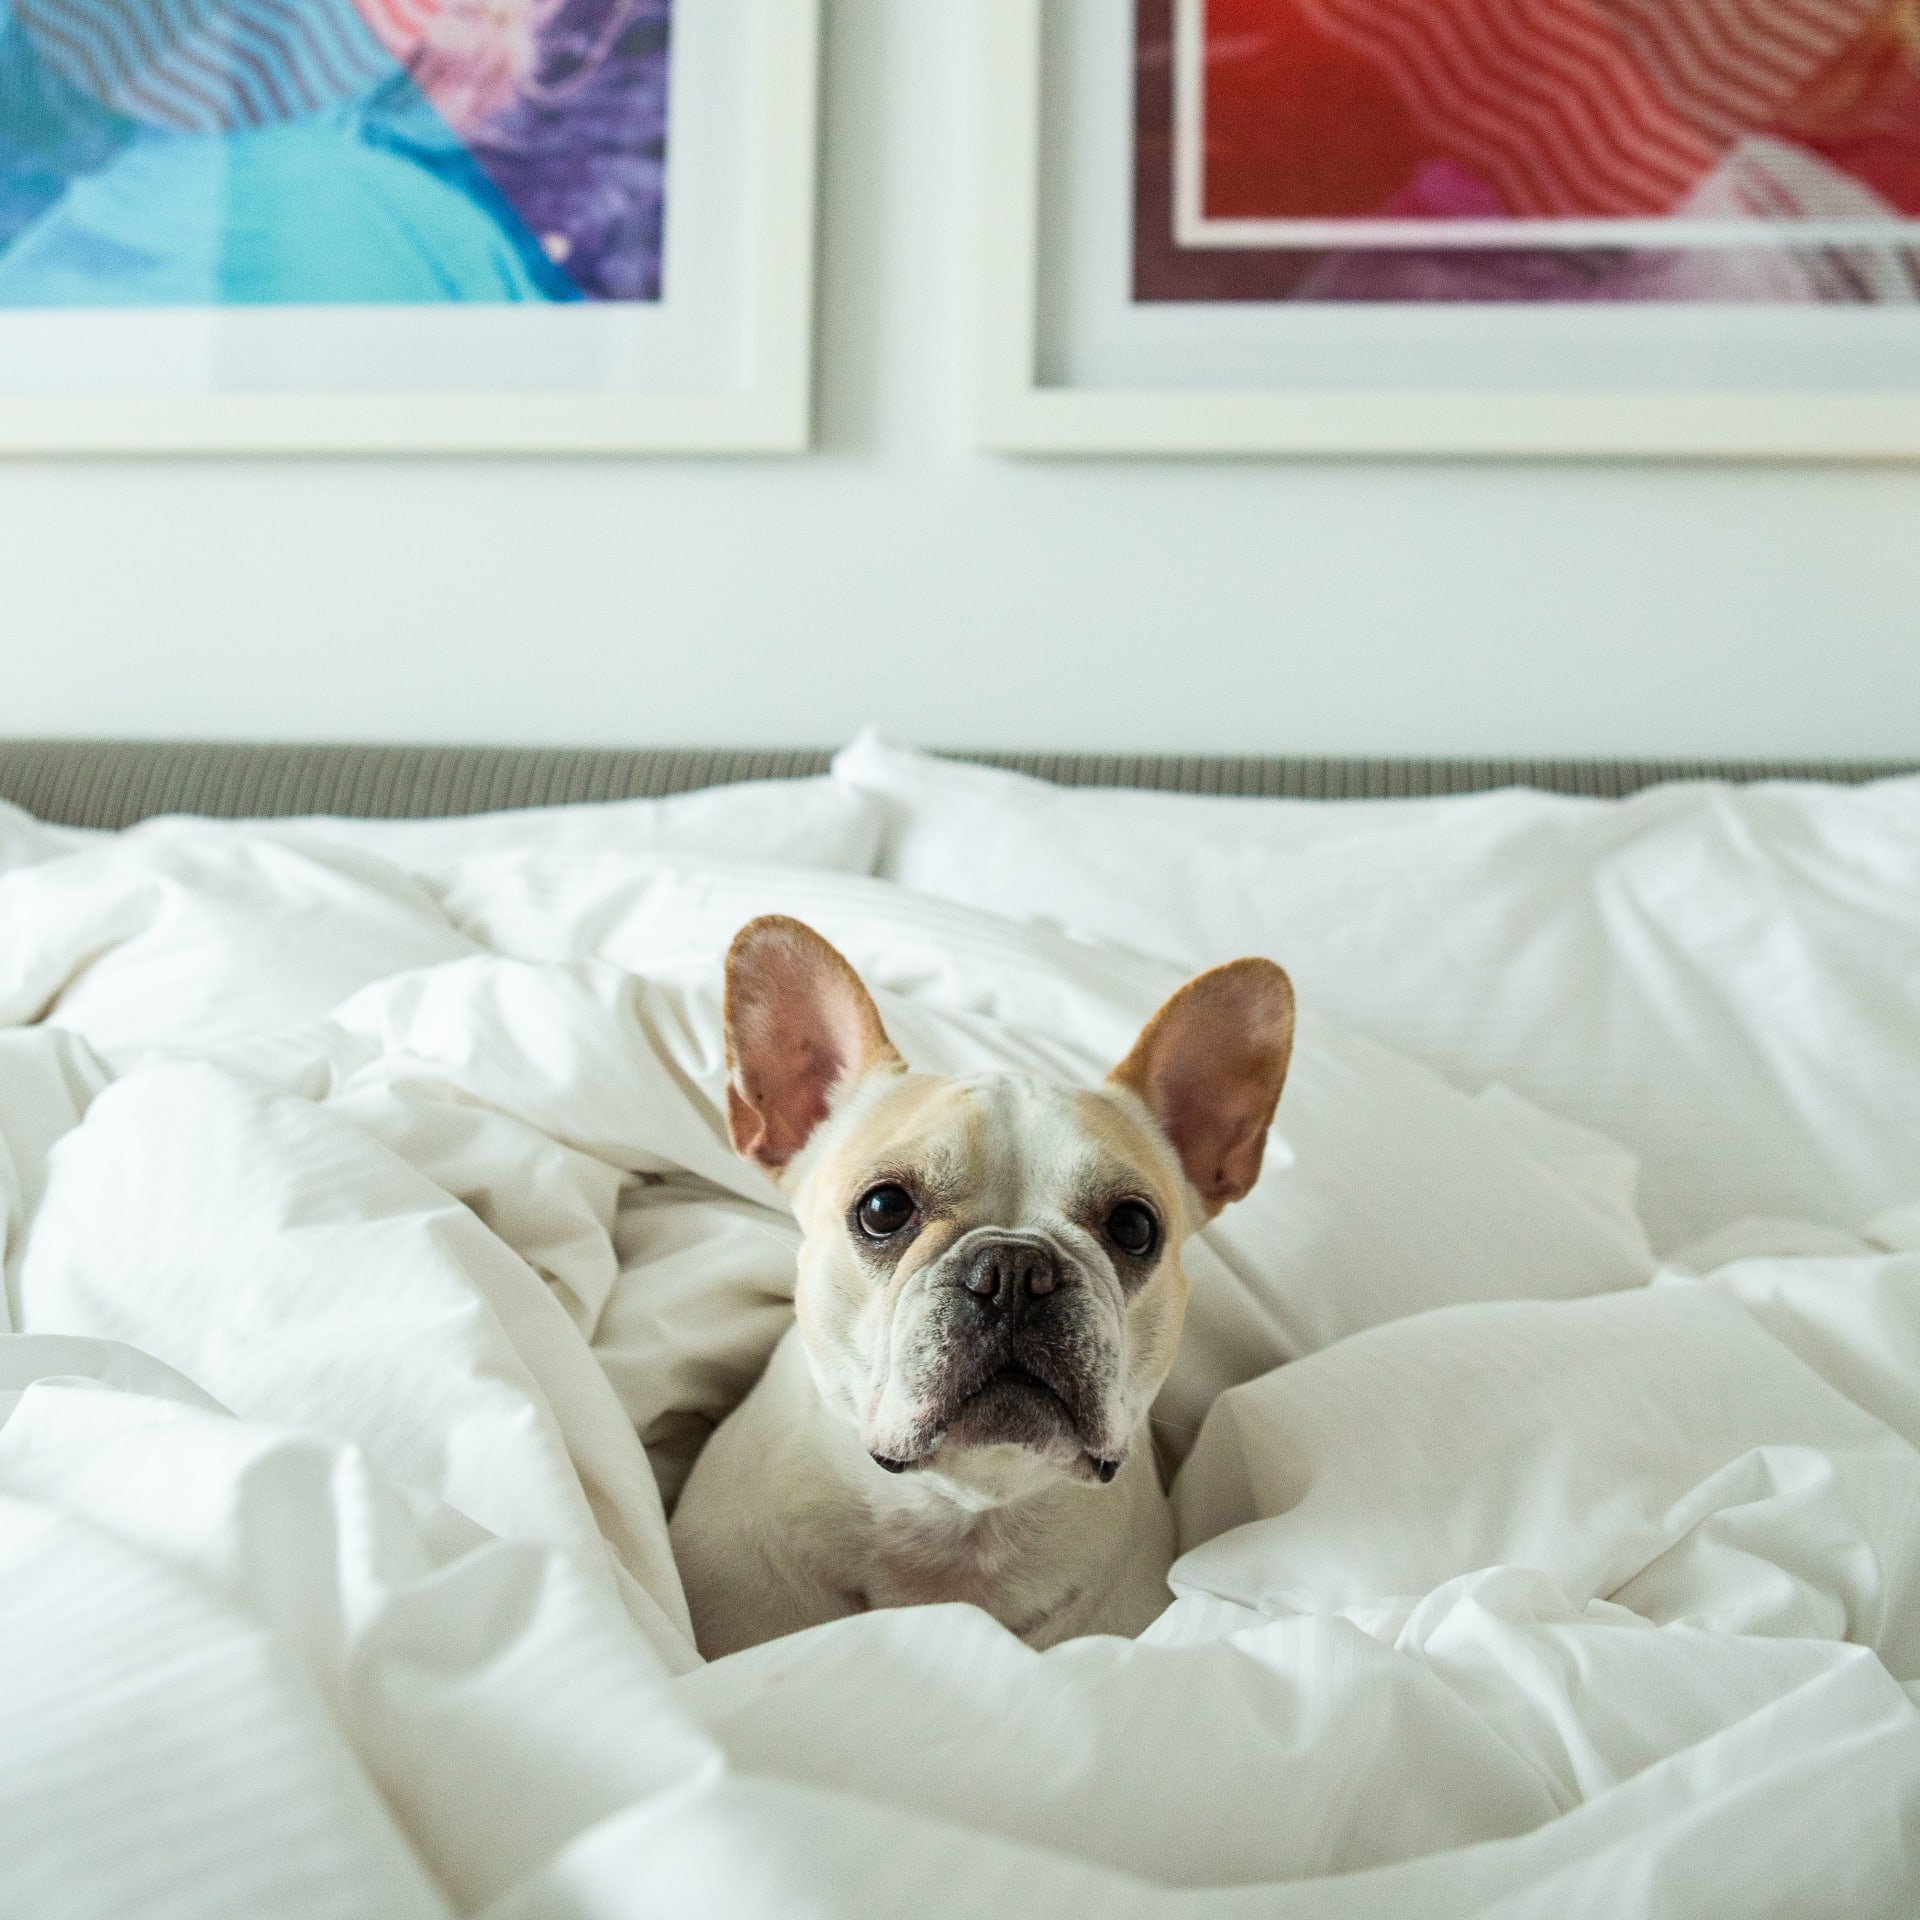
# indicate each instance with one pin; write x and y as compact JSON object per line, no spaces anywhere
{"x":1209,"y":1067}
{"x":799,"y":1027}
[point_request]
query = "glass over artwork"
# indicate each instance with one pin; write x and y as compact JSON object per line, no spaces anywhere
{"x":167,"y":153}
{"x":1528,"y":150}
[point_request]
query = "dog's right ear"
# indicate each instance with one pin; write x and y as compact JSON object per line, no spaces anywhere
{"x":800,"y":1028}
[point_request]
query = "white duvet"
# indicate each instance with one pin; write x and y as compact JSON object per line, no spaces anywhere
{"x":375,"y":1263}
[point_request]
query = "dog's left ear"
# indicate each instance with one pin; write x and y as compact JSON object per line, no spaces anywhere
{"x":800,"y":1028}
{"x":1209,"y":1067}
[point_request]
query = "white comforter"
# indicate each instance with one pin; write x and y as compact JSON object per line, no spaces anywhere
{"x":375,"y":1261}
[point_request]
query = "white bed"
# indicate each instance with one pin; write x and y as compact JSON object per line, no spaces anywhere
{"x":1545,"y":1442}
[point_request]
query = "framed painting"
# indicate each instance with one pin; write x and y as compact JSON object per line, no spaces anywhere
{"x":1517,"y":227}
{"x":406,"y":225}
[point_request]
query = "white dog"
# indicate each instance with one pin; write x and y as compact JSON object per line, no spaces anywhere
{"x":989,"y":1297}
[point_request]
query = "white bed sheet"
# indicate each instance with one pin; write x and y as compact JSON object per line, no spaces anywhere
{"x":375,"y":1259}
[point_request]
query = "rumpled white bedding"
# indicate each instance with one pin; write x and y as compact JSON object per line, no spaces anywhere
{"x":375,"y":1262}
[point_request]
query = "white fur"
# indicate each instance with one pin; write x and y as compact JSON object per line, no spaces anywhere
{"x":787,"y":1521}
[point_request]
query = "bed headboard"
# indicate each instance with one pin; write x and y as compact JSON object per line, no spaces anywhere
{"x":112,"y":783}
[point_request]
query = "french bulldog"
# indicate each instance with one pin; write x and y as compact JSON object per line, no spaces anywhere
{"x":989,"y":1297}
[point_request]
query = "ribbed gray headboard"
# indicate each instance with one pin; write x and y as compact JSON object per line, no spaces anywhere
{"x":111,"y":783}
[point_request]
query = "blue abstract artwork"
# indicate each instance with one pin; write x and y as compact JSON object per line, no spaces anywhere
{"x":164,"y":153}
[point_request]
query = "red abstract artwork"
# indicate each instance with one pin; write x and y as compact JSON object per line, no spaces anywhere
{"x":1732,"y":150}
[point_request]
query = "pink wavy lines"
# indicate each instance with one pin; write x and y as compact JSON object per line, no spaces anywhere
{"x":1544,"y":98}
{"x":1732,"y":66}
{"x":399,"y":25}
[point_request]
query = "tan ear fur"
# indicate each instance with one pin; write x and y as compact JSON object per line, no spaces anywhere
{"x":800,"y":1026}
{"x":1209,"y":1067}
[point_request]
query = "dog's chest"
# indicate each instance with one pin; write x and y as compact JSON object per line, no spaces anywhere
{"x":917,"y":1560}
{"x":1005,"y":1561}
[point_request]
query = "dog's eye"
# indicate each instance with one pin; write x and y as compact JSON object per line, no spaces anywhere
{"x":884,"y":1211}
{"x":1132,"y":1228}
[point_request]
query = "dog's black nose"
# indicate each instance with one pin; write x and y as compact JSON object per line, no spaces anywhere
{"x":1009,"y":1271}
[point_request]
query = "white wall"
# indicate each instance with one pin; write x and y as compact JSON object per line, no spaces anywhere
{"x":896,"y":575}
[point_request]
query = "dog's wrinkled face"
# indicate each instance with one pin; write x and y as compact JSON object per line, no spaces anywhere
{"x":992,"y":1260}
{"x":990,"y":1284}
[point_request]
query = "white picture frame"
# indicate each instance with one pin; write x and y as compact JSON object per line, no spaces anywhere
{"x":762,"y":405}
{"x":1018,"y":411}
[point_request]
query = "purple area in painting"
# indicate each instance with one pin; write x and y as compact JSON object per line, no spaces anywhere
{"x":582,"y":152}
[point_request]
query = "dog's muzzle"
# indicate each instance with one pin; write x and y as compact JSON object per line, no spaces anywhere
{"x":1011,"y":1353}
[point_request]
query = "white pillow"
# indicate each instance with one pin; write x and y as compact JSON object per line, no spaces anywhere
{"x":776,"y":823}
{"x":781,"y":823}
{"x":1726,"y":979}
{"x":181,"y":941}
{"x":185,"y":932}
